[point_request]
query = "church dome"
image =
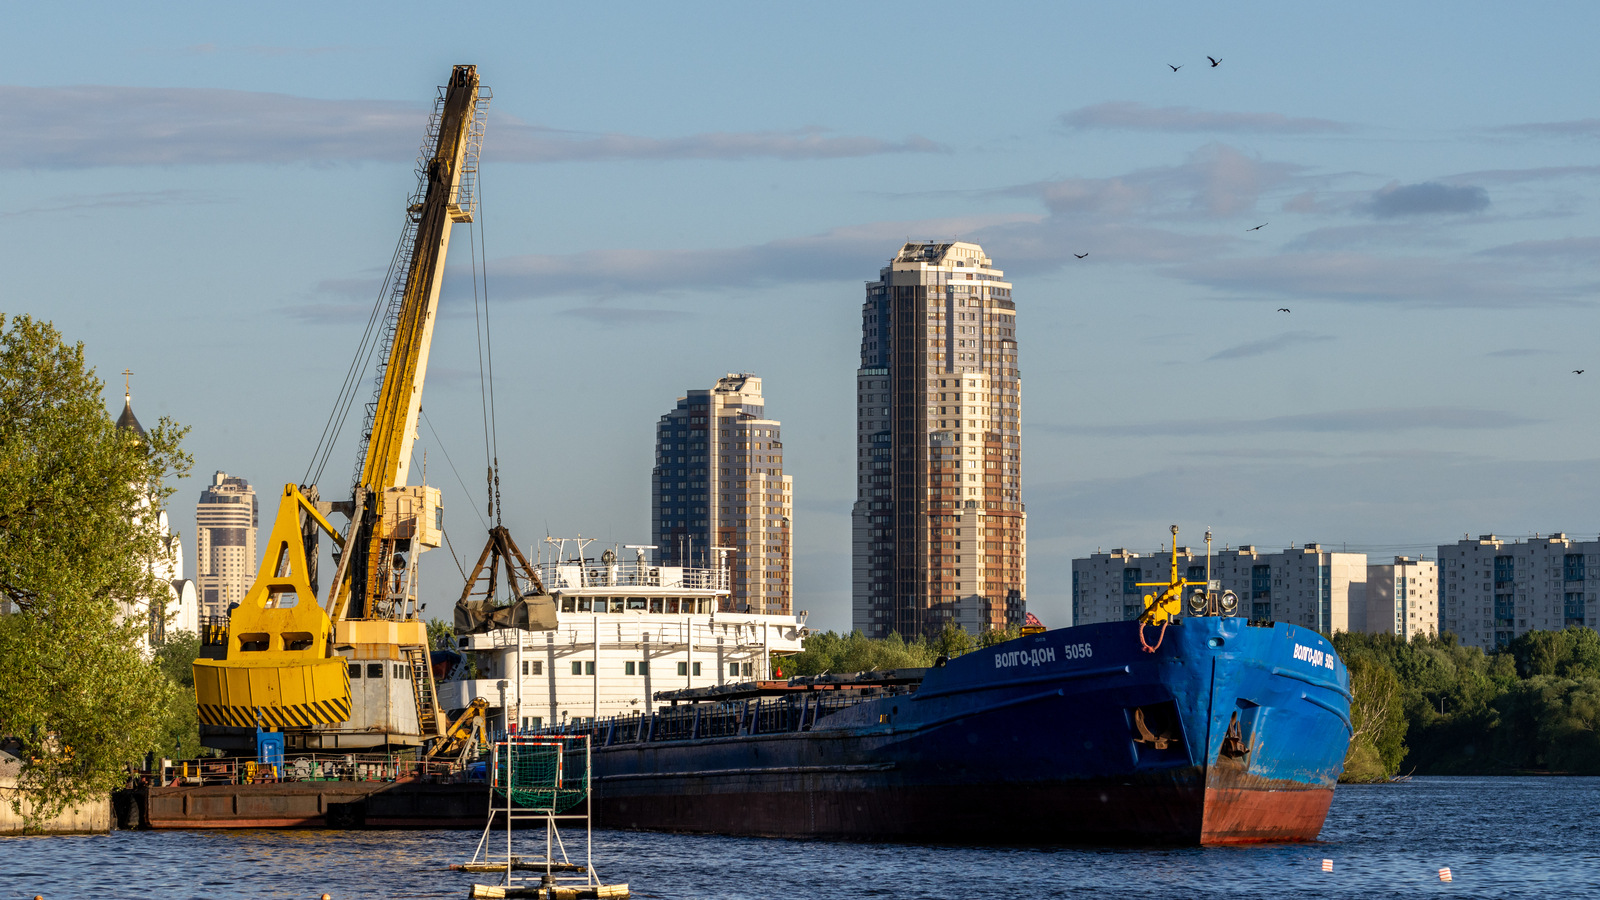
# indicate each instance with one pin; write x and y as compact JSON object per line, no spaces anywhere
{"x":128,"y":419}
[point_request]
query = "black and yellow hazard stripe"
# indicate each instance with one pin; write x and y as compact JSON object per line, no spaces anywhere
{"x":298,"y":715}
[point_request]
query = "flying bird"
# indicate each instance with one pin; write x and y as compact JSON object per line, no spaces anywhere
{"x":1173,"y":67}
{"x":1214,"y":61}
{"x":1259,"y":227}
{"x":1080,"y":255}
{"x":1577,"y":371}
{"x":1283,"y":309}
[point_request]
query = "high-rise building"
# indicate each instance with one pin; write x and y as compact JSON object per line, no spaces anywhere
{"x":1495,"y":590}
{"x":938,"y":528}
{"x":1402,"y":598}
{"x":719,"y":495}
{"x":1308,"y":586}
{"x":225,"y":542}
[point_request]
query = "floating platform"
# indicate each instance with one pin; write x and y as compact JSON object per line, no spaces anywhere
{"x":607,"y":891}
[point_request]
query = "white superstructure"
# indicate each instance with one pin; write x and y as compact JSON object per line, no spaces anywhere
{"x":624,"y":631}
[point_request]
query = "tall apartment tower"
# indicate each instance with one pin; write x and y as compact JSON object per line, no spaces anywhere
{"x":225,"y":542}
{"x":938,"y":526}
{"x":718,"y":492}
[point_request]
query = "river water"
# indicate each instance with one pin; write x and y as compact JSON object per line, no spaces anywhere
{"x":1501,"y":837}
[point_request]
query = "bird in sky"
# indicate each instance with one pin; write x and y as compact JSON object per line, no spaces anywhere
{"x":1214,"y":61}
{"x":1173,"y":67}
{"x":1577,"y":371}
{"x":1259,"y":227}
{"x":1283,"y":309}
{"x":1080,"y":255}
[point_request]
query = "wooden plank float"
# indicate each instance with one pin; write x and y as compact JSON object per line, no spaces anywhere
{"x":595,"y":892}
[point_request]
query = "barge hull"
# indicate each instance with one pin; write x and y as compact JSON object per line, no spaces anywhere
{"x":331,"y":804}
{"x":1231,"y":733}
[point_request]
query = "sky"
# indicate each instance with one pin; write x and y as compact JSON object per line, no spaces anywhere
{"x":208,"y":194}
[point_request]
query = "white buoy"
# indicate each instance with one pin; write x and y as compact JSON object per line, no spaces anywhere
{"x":1444,"y":874}
{"x":1327,"y":865}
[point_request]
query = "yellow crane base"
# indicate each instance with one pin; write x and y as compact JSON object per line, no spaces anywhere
{"x":272,"y":693}
{"x":279,"y":671}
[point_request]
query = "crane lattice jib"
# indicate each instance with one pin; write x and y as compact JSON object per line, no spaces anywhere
{"x":395,"y":411}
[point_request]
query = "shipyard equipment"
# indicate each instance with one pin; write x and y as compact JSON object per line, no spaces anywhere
{"x":351,"y":670}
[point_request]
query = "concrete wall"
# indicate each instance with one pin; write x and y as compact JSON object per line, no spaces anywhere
{"x":90,"y":818}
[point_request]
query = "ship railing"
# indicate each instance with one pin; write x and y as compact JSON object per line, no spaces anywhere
{"x":309,"y":767}
{"x":730,"y":718}
{"x":214,"y":631}
{"x":571,"y":575}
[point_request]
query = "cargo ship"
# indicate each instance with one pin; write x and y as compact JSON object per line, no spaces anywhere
{"x":1188,"y":725}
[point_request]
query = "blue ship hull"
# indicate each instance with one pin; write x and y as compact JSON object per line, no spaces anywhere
{"x":1228,"y":733}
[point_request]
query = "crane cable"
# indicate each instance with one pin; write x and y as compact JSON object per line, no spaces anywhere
{"x":491,"y":438}
{"x":359,"y":364}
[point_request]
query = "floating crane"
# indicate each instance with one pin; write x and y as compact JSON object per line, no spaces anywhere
{"x":351,"y":670}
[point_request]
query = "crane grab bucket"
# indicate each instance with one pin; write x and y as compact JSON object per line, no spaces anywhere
{"x":278,"y":672}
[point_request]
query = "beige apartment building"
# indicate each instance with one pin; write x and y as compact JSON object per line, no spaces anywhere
{"x":1402,"y":598}
{"x":1495,"y":590}
{"x":938,"y":528}
{"x":225,"y":542}
{"x":1306,"y":586}
{"x":719,"y":495}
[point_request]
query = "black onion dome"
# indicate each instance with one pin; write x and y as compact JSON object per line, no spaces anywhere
{"x":128,"y":419}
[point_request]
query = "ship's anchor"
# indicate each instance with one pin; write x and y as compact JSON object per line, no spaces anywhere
{"x":1160,"y":741}
{"x":1233,"y":746}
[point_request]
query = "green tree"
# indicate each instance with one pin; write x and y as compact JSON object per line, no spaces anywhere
{"x":993,"y":636}
{"x":175,"y":657}
{"x":77,"y":531}
{"x":441,"y":634}
{"x":1378,"y":723}
{"x":952,"y":641}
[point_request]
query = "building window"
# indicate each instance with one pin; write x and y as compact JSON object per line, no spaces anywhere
{"x":1130,"y":580}
{"x":355,"y":670}
{"x":532,"y":667}
{"x":374,"y":670}
{"x":628,"y":669}
{"x":1505,"y":609}
{"x":1261,"y":583}
{"x":733,"y":670}
{"x":1504,"y":569}
{"x":399,"y":671}
{"x":1572,"y":608}
{"x":583,"y":668}
{"x":532,"y":723}
{"x":1261,"y":612}
{"x":1572,"y":567}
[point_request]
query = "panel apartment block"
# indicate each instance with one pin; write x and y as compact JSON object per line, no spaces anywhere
{"x":1403,"y":597}
{"x":718,"y":482}
{"x":225,"y":543}
{"x":938,"y":526}
{"x":1307,"y":586}
{"x":1495,"y":590}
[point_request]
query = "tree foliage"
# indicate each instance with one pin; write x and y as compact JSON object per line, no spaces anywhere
{"x":830,"y":652}
{"x":1532,"y":706}
{"x":78,"y":529}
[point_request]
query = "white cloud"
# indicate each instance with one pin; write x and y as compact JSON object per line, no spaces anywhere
{"x":1130,"y":116}
{"x":85,"y":126}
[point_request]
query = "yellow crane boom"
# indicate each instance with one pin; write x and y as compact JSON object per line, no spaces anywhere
{"x":283,"y":665}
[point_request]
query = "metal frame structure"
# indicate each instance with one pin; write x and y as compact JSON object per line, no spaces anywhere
{"x":556,"y":869}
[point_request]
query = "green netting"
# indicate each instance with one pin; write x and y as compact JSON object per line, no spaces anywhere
{"x":542,"y":775}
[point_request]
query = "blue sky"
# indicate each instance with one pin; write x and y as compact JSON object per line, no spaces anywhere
{"x":208,"y":194}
